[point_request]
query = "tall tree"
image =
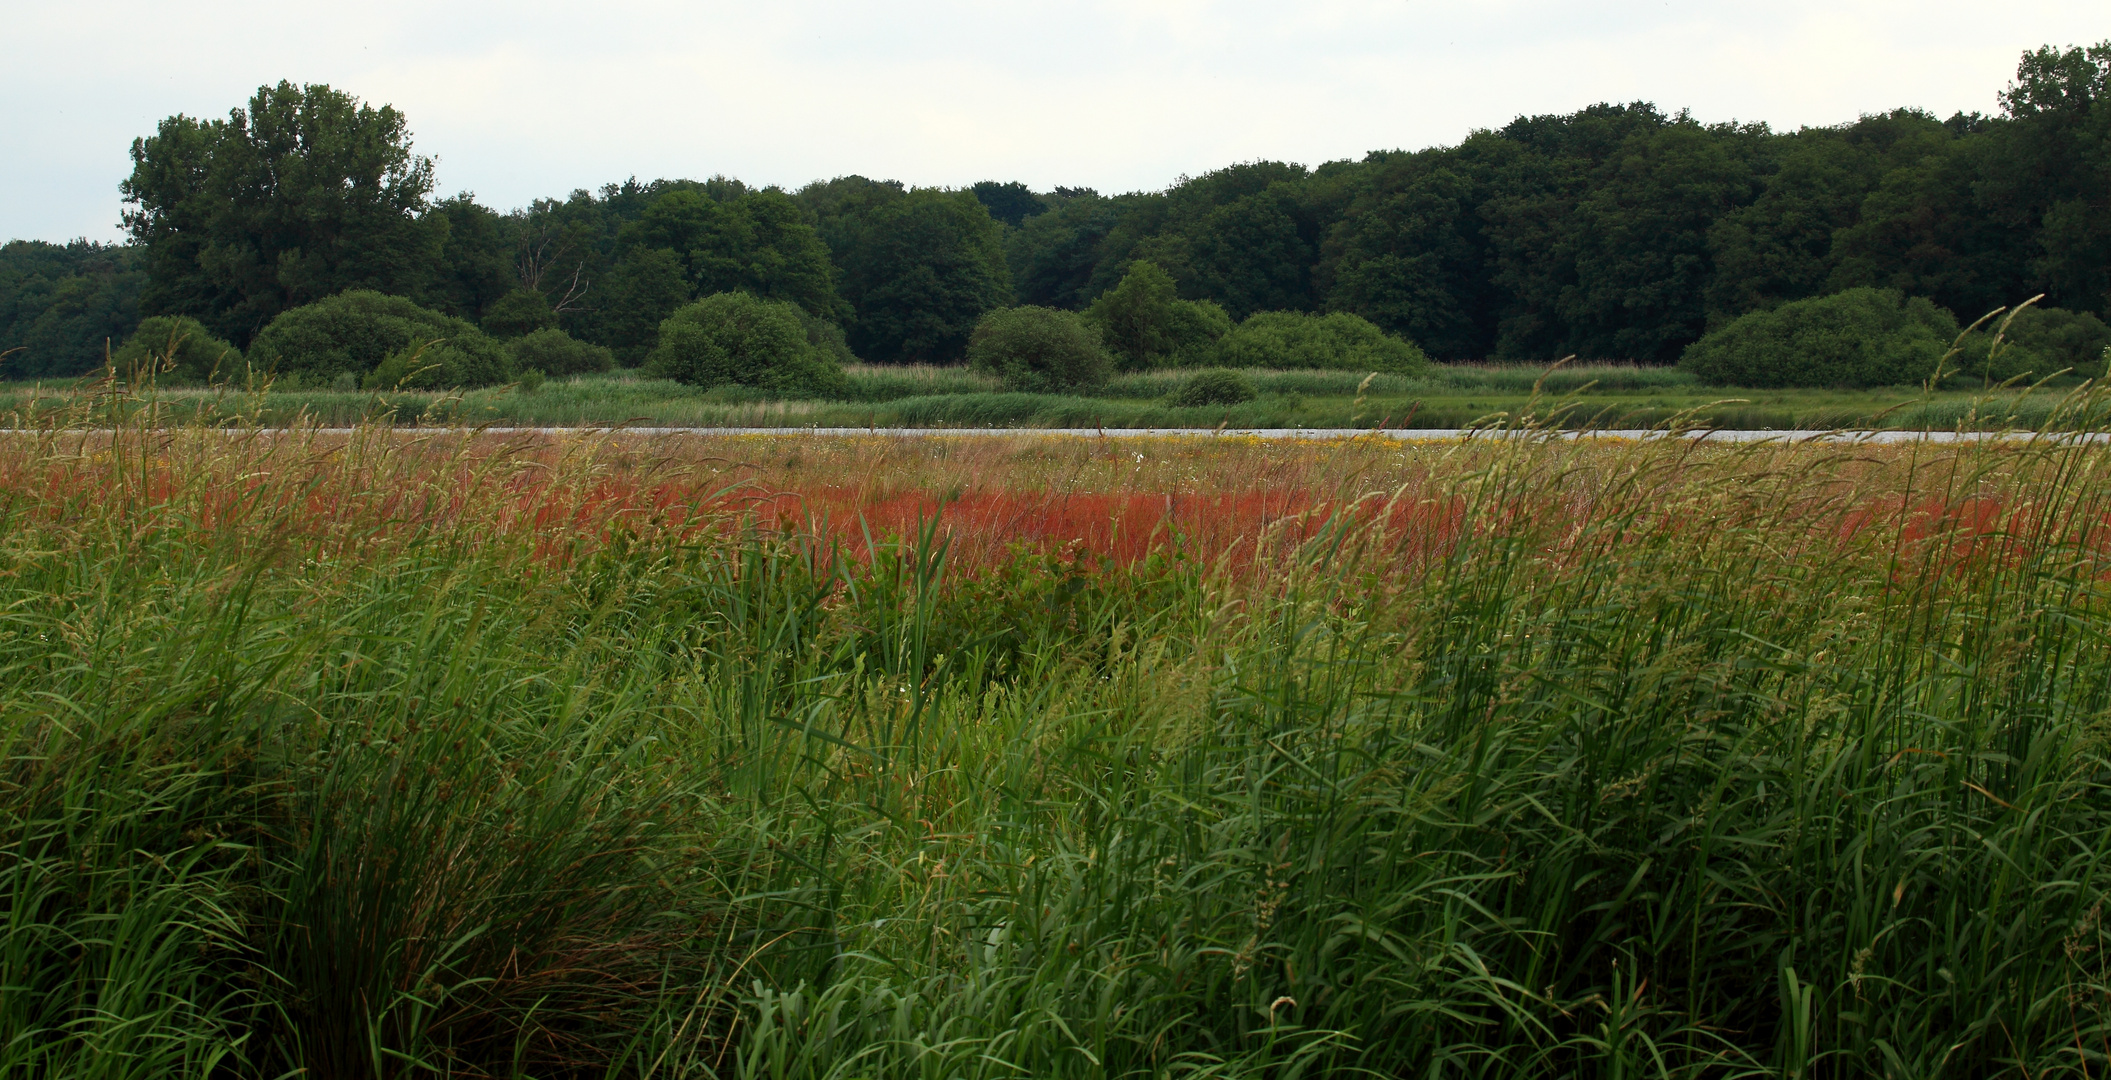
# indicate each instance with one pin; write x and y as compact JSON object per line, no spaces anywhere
{"x":61,"y":305}
{"x":1641,"y":240}
{"x":2056,"y":170}
{"x":305,"y":193}
{"x":758,"y":243}
{"x":922,"y":269}
{"x":1780,"y":247}
{"x":1408,"y":255}
{"x":1055,"y":254}
{"x":472,"y":271}
{"x":1011,"y":203}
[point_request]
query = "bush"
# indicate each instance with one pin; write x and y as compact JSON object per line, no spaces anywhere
{"x":1861,"y":337}
{"x":352,"y":333}
{"x":1295,"y":339}
{"x":742,"y":339}
{"x":181,"y":349}
{"x":518,"y":314}
{"x":1214,"y":386}
{"x":1040,"y":350}
{"x":2039,"y":342}
{"x":430,"y":365}
{"x":1196,"y":326}
{"x":558,"y":354}
{"x":1144,"y":325}
{"x":826,"y":336}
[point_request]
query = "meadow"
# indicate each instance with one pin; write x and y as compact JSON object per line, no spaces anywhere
{"x":881,"y":396}
{"x":388,"y":753}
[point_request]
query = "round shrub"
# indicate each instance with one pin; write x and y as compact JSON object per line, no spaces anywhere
{"x":1337,"y":341}
{"x":739,"y":338}
{"x":558,"y":354}
{"x":1040,"y":350}
{"x":2039,"y":342}
{"x":519,"y":313}
{"x":181,"y":349}
{"x":1214,"y":386}
{"x":353,"y":332}
{"x":1196,"y":326}
{"x":1861,"y":337}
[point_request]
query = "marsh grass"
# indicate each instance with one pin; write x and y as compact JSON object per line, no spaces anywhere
{"x":1447,"y":396}
{"x":399,"y":754}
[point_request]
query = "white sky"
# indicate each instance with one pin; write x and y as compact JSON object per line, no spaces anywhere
{"x":534,"y":97}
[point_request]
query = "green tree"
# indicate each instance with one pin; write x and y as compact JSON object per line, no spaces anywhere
{"x":1053,"y":255}
{"x":1407,"y":256}
{"x":304,"y":194}
{"x":1926,"y":231}
{"x":520,"y":312}
{"x":1780,"y":247}
{"x":1145,"y":324}
{"x":1254,"y":253}
{"x":746,"y":340}
{"x":1640,"y":240}
{"x":637,"y":295}
{"x":2054,"y":170}
{"x":1338,"y":341}
{"x":1535,"y":173}
{"x":1859,"y":337}
{"x":63,"y":305}
{"x":922,"y":270}
{"x":1136,"y":317}
{"x":1010,"y":203}
{"x":179,"y":349}
{"x":1040,"y":350}
{"x":759,"y":243}
{"x":351,"y":335}
{"x":557,"y":354}
{"x":473,"y":269}
{"x":2035,"y":342}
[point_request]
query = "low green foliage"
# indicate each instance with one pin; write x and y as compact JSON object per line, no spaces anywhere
{"x":1145,"y":324}
{"x":2035,"y":343}
{"x":556,"y":353}
{"x":179,"y":349}
{"x":518,"y":313}
{"x":1214,"y":386}
{"x":1039,"y":350}
{"x":744,"y":340}
{"x":1337,"y":341}
{"x":353,"y":333}
{"x":1860,"y":337}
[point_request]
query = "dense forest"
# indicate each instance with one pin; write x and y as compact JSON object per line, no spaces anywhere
{"x":1616,"y":232}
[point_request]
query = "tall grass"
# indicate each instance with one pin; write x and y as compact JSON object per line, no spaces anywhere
{"x":384,"y":755}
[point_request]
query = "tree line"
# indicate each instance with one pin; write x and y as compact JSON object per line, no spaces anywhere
{"x":1616,"y":232}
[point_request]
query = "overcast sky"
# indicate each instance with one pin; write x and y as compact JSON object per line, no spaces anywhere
{"x":535,"y":97}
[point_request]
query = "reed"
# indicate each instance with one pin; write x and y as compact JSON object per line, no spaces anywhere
{"x":387,"y":753}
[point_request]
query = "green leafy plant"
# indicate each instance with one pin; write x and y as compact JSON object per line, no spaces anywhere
{"x":1213,"y":386}
{"x":518,"y":313}
{"x":558,"y":354}
{"x":1039,"y":350}
{"x":1860,"y":337}
{"x":1339,"y":341}
{"x":354,"y":332}
{"x":737,"y":338}
{"x":180,"y":349}
{"x":2037,"y":342}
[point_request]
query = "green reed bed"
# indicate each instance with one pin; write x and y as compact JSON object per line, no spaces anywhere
{"x":1447,"y":396}
{"x":373,"y":757}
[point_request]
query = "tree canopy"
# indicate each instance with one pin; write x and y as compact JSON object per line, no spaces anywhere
{"x":1619,"y":231}
{"x":304,"y":194}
